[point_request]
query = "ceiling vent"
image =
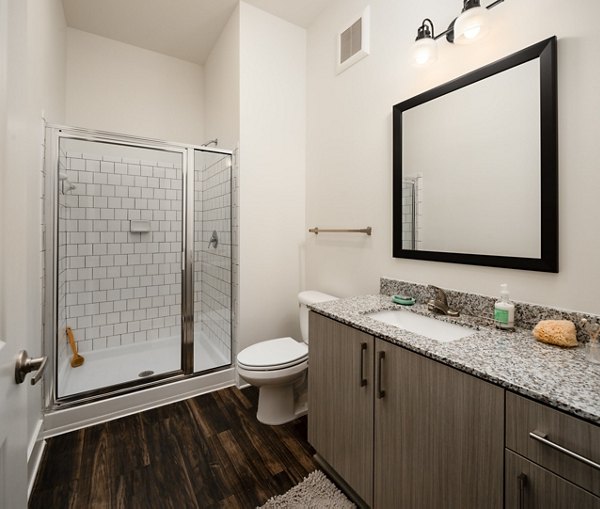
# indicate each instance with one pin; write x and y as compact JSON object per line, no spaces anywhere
{"x":353,"y":42}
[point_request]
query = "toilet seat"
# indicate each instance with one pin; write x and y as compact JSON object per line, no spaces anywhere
{"x":273,"y":354}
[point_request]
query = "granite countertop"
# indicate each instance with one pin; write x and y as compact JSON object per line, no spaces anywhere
{"x":561,"y":378}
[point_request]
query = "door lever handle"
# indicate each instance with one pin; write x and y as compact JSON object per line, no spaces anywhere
{"x":26,"y":364}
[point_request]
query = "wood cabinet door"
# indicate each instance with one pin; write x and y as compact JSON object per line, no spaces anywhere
{"x":529,"y":486}
{"x":439,"y":435}
{"x":340,"y":400}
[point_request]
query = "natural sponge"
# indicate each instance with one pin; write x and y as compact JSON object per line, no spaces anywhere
{"x":556,"y":332}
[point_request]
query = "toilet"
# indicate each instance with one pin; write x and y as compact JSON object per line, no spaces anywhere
{"x":278,"y":368}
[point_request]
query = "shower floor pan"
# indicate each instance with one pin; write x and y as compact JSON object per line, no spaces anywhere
{"x":111,"y":366}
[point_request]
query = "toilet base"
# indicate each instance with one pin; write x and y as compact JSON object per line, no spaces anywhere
{"x":281,"y":393}
{"x":276,"y":404}
{"x":279,"y":404}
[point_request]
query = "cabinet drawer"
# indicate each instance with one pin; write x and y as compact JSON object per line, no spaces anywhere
{"x":560,"y":431}
{"x":529,"y":486}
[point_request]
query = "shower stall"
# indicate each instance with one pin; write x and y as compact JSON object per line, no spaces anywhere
{"x":138,"y":263}
{"x":411,"y":207}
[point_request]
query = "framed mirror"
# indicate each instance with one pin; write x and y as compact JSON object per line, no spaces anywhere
{"x":475,"y":166}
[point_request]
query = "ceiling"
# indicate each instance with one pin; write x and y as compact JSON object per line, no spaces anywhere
{"x":185,"y":29}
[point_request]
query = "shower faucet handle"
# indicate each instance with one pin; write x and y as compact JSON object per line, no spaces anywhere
{"x":214,"y":239}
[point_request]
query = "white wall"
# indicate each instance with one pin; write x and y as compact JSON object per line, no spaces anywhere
{"x":47,"y":62}
{"x":48,"y":57}
{"x":272,"y":174}
{"x":222,"y":86}
{"x":113,"y":86}
{"x":349,"y":145}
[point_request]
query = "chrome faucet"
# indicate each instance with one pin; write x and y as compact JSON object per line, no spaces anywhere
{"x":214,"y":239}
{"x":439,"y":304}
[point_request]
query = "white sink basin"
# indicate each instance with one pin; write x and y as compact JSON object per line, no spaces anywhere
{"x":423,"y":325}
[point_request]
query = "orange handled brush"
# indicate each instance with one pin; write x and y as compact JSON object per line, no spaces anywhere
{"x":77,"y":359}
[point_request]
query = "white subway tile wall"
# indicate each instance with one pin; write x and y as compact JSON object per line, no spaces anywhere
{"x":120,"y":287}
{"x":213,"y":264}
{"x":408,"y":218}
{"x":412,"y":195}
{"x":63,"y":351}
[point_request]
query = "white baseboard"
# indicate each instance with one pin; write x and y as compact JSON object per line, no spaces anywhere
{"x":35,"y":450}
{"x":71,"y":419}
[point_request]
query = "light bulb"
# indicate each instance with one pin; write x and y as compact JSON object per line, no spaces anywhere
{"x":472,"y":32}
{"x":424,"y":51}
{"x":471,"y":25}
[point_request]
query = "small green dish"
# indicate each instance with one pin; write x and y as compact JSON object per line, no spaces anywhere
{"x":404,"y":300}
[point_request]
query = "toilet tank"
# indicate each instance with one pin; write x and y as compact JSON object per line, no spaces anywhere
{"x":305,"y":298}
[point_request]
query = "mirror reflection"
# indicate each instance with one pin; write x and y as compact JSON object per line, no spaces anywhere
{"x":471,"y":168}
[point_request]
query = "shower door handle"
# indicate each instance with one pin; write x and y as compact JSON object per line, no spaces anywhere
{"x":26,"y":364}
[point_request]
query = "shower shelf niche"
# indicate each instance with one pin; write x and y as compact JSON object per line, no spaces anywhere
{"x":139,"y":226}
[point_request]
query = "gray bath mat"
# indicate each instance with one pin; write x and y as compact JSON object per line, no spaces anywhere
{"x":315,"y":491}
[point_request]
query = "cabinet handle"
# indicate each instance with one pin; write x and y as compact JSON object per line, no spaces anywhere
{"x":522,"y":478}
{"x":363,"y":350}
{"x":380,"y":391}
{"x":542,"y":437}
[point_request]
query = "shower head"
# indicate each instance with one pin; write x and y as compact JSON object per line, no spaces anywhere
{"x":209,"y":143}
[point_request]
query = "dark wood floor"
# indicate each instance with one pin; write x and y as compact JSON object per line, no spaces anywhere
{"x":205,"y":452}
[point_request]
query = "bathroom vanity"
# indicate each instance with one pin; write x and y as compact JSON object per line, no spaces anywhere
{"x":408,"y":421}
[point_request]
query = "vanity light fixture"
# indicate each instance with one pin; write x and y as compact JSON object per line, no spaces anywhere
{"x":425,"y":47}
{"x":472,"y":24}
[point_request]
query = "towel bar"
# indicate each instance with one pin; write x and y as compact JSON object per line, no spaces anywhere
{"x":317,"y":230}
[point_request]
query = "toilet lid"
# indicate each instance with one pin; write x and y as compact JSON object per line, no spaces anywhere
{"x":273,"y":353}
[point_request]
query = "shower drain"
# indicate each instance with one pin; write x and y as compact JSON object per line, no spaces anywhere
{"x":148,"y":372}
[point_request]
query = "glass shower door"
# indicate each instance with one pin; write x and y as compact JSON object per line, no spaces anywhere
{"x":212,"y":260}
{"x":119,"y":246}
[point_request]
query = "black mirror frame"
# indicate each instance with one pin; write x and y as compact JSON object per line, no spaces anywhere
{"x":548,"y":262}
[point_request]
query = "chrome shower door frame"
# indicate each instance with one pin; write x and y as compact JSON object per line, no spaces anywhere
{"x":54,"y":133}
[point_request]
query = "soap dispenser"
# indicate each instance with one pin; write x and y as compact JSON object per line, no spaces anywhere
{"x":504,"y":310}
